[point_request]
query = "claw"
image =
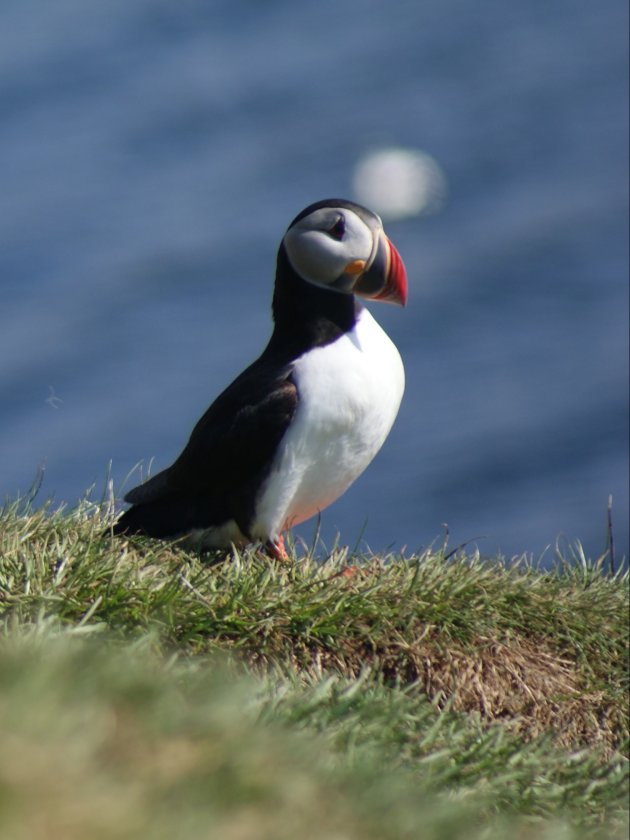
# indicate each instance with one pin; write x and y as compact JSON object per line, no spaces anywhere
{"x":277,"y":550}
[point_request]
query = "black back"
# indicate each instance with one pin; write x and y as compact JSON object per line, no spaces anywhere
{"x":220,"y":472}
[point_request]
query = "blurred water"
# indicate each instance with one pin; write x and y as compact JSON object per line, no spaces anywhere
{"x":152,"y":155}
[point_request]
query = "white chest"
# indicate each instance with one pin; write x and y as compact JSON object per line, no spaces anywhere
{"x":349,"y":395}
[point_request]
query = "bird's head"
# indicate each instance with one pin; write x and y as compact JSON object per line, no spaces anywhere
{"x":340,"y":245}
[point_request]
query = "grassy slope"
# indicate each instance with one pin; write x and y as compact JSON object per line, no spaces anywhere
{"x":414,"y":698}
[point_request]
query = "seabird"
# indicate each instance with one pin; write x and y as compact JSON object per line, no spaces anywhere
{"x":299,"y":425}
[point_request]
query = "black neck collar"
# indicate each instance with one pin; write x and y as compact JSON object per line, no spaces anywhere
{"x":306,"y":315}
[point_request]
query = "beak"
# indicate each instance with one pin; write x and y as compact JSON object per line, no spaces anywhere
{"x":385,"y":278}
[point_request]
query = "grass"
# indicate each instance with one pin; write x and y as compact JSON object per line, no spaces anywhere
{"x":148,"y":692}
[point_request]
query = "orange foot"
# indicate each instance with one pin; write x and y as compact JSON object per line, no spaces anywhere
{"x":277,"y":550}
{"x":348,"y":573}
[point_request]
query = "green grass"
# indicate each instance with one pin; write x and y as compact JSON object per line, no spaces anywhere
{"x":148,"y":692}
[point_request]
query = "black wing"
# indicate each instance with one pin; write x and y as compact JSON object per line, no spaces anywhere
{"x":218,"y":475}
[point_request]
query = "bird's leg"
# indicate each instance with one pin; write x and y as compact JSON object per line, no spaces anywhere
{"x":277,"y":550}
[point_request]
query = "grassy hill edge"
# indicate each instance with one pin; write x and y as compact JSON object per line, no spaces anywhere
{"x":459,"y":694}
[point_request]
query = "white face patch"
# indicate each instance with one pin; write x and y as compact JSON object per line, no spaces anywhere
{"x":322,"y":244}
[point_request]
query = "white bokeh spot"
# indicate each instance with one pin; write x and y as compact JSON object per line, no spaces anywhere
{"x":398,"y":183}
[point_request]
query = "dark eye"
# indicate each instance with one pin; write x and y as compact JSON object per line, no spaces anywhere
{"x":338,"y":229}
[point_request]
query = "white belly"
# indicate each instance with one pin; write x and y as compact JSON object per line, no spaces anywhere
{"x":349,"y":395}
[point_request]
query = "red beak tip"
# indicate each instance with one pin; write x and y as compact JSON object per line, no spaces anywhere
{"x":397,"y":279}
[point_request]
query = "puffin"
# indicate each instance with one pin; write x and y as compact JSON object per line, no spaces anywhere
{"x":300,"y":424}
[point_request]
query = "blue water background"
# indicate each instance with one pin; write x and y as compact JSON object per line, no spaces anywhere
{"x":152,"y":154}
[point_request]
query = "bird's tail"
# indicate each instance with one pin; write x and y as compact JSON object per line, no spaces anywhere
{"x":166,"y":519}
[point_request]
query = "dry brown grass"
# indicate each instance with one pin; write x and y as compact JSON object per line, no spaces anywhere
{"x":519,"y":683}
